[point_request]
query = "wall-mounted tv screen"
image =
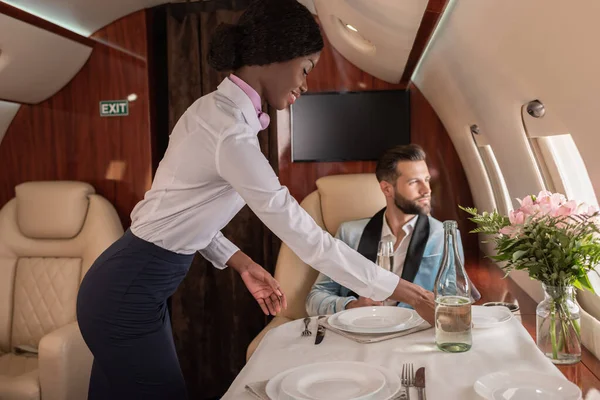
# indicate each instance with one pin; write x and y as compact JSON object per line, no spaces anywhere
{"x":351,"y":126}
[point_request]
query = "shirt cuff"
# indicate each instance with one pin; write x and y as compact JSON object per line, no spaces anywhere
{"x":343,"y":302}
{"x":219,"y":251}
{"x":383,"y":285}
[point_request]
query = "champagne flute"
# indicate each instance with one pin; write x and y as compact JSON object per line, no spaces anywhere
{"x":385,"y":254}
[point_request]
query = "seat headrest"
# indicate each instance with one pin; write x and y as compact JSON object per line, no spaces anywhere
{"x":52,"y":209}
{"x":348,"y":197}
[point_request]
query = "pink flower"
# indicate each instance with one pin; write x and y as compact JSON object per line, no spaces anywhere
{"x":543,"y":194}
{"x":558,"y":198}
{"x":531,"y":210}
{"x":550,"y":204}
{"x":547,"y":204}
{"x":565,"y":210}
{"x":510,"y":230}
{"x":517,"y":217}
{"x":527,"y":201}
{"x":586,"y":209}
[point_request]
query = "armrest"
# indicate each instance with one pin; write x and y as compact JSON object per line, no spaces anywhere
{"x":590,"y":302}
{"x":590,"y":333}
{"x":273,"y":324}
{"x":65,"y":364}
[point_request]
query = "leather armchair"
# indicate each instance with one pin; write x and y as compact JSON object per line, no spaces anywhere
{"x":338,"y":198}
{"x":50,"y":234}
{"x":590,"y":320}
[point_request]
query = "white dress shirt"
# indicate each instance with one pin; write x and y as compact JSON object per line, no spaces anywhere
{"x":401,"y":250}
{"x":212,"y":167}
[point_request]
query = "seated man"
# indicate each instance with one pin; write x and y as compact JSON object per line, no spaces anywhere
{"x":418,"y":238}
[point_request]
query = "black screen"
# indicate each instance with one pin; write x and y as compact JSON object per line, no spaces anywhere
{"x":353,"y":126}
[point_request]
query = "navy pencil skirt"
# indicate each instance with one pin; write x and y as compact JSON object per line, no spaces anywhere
{"x":123,"y":316}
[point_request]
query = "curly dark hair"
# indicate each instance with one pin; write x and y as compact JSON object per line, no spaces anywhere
{"x":268,"y":31}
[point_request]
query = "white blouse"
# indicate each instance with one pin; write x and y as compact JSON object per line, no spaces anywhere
{"x":212,"y":167}
{"x":402,"y":250}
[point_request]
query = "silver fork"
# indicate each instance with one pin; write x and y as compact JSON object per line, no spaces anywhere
{"x":408,"y":378}
{"x":306,"y":332}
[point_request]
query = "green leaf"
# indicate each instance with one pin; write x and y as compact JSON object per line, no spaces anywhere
{"x":518,"y":254}
{"x":585,"y":283}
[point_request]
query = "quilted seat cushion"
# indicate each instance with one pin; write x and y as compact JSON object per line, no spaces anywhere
{"x":45,"y":297}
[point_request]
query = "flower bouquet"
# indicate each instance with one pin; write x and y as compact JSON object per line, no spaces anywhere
{"x":557,"y":241}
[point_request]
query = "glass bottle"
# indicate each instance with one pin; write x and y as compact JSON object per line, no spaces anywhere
{"x":452,"y":291}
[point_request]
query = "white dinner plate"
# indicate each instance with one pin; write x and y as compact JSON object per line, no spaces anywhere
{"x":334,"y":381}
{"x":382,"y":317}
{"x":389,"y":391}
{"x":370,"y":320}
{"x":525,"y":385}
{"x":489,"y":317}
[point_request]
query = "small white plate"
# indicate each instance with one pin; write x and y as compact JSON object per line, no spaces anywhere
{"x":369,"y":320}
{"x":389,"y":391}
{"x":488,"y":317}
{"x":334,"y":381}
{"x":525,"y":385}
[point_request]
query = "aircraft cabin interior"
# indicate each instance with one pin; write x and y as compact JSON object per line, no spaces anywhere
{"x":501,"y":96}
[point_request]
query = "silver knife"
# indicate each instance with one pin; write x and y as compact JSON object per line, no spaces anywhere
{"x":420,"y":383}
{"x":320,"y":331}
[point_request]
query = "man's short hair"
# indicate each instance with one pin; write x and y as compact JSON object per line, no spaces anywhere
{"x":386,"y":166}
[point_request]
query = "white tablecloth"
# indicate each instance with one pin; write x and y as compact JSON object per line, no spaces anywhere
{"x":448,"y":376}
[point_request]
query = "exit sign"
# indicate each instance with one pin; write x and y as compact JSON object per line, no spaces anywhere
{"x":114,"y":108}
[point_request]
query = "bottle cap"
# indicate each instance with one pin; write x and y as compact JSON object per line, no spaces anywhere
{"x":450,"y":224}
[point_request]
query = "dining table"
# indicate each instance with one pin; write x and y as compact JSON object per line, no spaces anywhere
{"x":505,"y":347}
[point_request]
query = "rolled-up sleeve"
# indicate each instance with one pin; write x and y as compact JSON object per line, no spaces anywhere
{"x":219,"y":251}
{"x":241,"y":163}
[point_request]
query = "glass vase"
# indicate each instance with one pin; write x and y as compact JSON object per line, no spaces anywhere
{"x":558,"y":325}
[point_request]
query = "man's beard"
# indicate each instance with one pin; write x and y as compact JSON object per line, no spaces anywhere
{"x":411,"y":207}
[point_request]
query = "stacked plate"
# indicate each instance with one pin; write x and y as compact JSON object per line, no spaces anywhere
{"x":374,"y":320}
{"x":489,"y":317}
{"x":339,"y":380}
{"x":525,"y":385}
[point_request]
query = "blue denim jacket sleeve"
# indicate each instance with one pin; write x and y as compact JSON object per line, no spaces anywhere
{"x":327,"y":296}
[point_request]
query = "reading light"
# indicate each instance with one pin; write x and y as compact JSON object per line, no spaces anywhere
{"x":536,"y":109}
{"x":354,"y":37}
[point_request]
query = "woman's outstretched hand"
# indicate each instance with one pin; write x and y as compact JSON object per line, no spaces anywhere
{"x":264,"y":288}
{"x":260,"y":283}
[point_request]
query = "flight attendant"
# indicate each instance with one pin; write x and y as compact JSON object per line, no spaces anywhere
{"x":212,"y":167}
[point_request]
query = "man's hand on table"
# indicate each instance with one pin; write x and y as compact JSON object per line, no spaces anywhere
{"x":418,"y":298}
{"x":363,"y":302}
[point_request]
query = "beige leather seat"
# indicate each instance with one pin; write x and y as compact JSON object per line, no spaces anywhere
{"x":590,"y":320}
{"x":50,"y":234}
{"x":338,"y":198}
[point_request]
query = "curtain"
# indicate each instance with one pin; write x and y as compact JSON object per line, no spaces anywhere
{"x":213,"y":315}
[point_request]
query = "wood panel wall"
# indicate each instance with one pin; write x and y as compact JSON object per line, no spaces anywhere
{"x":333,"y":73}
{"x":64,"y":137}
{"x":449,"y":182}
